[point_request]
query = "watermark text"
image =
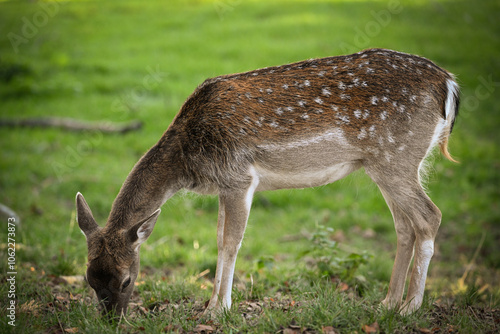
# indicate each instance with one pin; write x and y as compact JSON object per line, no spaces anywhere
{"x":11,"y":273}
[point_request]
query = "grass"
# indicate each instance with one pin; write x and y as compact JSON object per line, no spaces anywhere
{"x":126,"y":60}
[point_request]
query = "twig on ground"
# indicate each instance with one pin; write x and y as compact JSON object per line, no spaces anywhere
{"x":71,"y":124}
{"x":473,"y":260}
{"x":8,"y":212}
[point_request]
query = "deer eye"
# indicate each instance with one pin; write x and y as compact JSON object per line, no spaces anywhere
{"x":126,"y":283}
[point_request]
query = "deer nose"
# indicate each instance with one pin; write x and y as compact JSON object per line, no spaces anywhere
{"x":104,"y":296}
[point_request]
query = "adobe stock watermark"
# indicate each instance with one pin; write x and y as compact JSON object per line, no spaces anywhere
{"x":372,"y":28}
{"x":483,"y":91}
{"x":223,"y":7}
{"x":31,"y":25}
{"x":132,"y":99}
{"x":75,"y":155}
{"x":11,"y":271}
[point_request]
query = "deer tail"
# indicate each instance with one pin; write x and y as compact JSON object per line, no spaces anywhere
{"x":450,"y":113}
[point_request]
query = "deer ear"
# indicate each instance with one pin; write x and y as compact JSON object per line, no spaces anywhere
{"x":141,"y":231}
{"x":84,"y":216}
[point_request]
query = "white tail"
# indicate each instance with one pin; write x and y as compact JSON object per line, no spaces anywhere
{"x":292,"y":126}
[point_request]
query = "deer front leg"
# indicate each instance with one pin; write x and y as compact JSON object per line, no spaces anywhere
{"x":233,"y":215}
{"x":220,"y":263}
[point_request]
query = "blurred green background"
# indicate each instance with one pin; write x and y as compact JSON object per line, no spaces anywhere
{"x":119,"y":61}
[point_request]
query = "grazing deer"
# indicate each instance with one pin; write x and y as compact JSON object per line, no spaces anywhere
{"x":293,"y":126}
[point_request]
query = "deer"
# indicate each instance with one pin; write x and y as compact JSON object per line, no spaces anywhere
{"x":299,"y":125}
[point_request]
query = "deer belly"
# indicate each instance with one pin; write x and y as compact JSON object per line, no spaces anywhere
{"x":272,"y":179}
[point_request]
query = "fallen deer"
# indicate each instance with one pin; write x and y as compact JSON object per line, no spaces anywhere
{"x":293,"y":126}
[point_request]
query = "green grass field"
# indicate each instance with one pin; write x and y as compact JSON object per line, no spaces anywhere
{"x":120,"y":61}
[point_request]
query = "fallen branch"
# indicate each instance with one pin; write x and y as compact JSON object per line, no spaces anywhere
{"x":71,"y":124}
{"x":11,"y":215}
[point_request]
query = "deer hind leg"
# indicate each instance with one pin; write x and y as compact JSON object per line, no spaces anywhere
{"x":404,"y":254}
{"x":234,"y":208}
{"x":417,"y":220}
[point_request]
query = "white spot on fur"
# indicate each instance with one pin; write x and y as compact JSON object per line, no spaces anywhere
{"x":321,"y":73}
{"x":342,"y":85}
{"x":372,"y":131}
{"x":334,"y":107}
{"x":345,"y":96}
{"x":279,"y":111}
{"x":326,"y":91}
{"x":383,"y":115}
{"x":285,"y":86}
{"x":318,"y":100}
{"x":273,"y":124}
{"x":307,"y":83}
{"x":357,"y":113}
{"x":362,"y":134}
{"x":387,"y":156}
{"x":374,"y":100}
{"x":302,"y":103}
{"x":344,"y":118}
{"x":304,"y":116}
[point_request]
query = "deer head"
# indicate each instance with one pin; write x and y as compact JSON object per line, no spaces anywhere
{"x":113,"y":257}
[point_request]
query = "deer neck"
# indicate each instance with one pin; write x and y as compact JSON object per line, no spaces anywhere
{"x":153,"y":180}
